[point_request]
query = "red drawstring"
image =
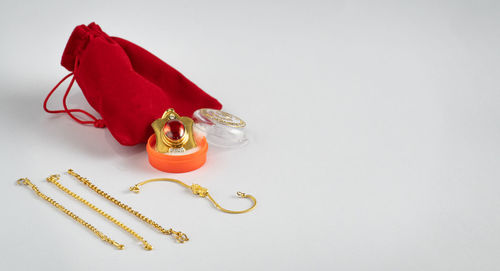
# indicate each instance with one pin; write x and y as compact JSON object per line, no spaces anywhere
{"x":98,"y":123}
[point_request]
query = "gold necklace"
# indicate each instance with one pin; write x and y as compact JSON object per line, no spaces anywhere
{"x":27,"y":182}
{"x":179,"y":236}
{"x":54,"y":180}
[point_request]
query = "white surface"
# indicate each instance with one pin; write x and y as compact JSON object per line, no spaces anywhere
{"x":375,"y":137}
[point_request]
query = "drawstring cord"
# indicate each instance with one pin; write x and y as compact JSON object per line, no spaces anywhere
{"x":98,"y":123}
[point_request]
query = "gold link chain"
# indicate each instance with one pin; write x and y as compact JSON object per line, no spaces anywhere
{"x":27,"y":182}
{"x":54,"y":180}
{"x":179,"y":236}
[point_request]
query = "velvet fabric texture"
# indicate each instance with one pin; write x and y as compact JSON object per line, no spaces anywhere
{"x":128,"y":86}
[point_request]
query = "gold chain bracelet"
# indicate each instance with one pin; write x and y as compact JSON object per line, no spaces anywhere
{"x":179,"y":236}
{"x":27,"y":182}
{"x":54,"y":180}
{"x":201,"y":192}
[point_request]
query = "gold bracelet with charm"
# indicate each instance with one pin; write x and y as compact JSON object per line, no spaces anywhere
{"x":202,"y":192}
{"x":179,"y":236}
{"x":54,"y":180}
{"x":27,"y":182}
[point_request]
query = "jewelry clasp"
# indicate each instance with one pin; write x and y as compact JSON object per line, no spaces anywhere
{"x":25,"y":181}
{"x":180,"y":236}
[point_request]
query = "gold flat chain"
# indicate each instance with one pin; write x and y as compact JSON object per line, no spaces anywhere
{"x":27,"y":182}
{"x":54,"y":180}
{"x":179,"y":236}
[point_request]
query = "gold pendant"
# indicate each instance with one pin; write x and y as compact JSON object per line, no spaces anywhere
{"x":174,"y":134}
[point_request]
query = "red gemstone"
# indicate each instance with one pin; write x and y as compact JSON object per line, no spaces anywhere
{"x":174,"y":129}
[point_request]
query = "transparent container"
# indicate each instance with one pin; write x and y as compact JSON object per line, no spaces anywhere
{"x":220,"y":128}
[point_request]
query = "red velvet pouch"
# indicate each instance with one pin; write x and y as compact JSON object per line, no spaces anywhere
{"x":128,"y":86}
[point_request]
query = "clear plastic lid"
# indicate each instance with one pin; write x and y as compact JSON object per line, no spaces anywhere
{"x":220,"y":128}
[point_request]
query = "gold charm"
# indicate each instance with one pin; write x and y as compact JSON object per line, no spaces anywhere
{"x":174,"y":134}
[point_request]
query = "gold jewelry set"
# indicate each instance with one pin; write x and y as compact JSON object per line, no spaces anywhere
{"x":179,"y":236}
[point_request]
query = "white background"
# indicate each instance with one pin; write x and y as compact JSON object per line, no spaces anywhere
{"x":375,"y":137}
